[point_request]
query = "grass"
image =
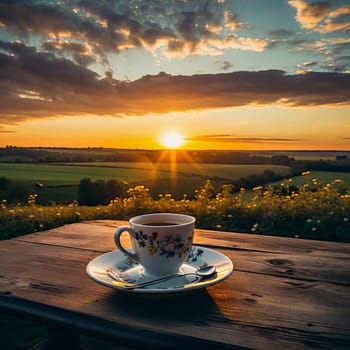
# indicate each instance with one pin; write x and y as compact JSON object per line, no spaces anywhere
{"x":323,"y":176}
{"x":59,"y":174}
{"x":68,"y":174}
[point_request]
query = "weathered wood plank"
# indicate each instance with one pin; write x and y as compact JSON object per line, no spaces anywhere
{"x":84,"y":238}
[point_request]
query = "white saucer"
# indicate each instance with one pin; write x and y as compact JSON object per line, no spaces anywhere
{"x":129,"y":271}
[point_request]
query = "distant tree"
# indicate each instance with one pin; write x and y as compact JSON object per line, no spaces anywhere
{"x":254,"y":180}
{"x":269,"y":175}
{"x":4,"y":182}
{"x":87,"y":192}
{"x":13,"y":191}
{"x":17,"y":191}
{"x":281,"y":160}
{"x":115,"y":189}
{"x":341,"y":157}
{"x":98,"y":192}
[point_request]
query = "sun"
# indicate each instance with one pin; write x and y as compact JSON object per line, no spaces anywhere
{"x":172,"y":140}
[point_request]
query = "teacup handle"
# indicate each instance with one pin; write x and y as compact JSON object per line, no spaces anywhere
{"x":117,"y":236}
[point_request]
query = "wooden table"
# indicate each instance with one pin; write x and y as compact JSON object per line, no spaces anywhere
{"x":284,"y":293}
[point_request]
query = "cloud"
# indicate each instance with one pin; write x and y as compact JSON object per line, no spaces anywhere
{"x":230,"y":138}
{"x":36,"y":84}
{"x":309,"y":15}
{"x":333,"y":52}
{"x":306,"y":66}
{"x":321,"y":16}
{"x":171,"y":27}
{"x":338,"y":64}
{"x":81,"y":53}
{"x":282,"y":33}
{"x":224,"y":65}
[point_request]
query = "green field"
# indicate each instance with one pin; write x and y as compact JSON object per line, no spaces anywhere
{"x":61,"y":180}
{"x":324,"y":177}
{"x":52,"y":174}
{"x":60,"y":174}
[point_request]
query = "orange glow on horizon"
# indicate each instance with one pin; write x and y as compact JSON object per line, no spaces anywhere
{"x":243,"y":129}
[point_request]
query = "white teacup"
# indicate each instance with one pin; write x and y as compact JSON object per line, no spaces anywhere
{"x":160,"y":242}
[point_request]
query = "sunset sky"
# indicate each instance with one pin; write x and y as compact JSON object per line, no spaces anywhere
{"x":224,"y":74}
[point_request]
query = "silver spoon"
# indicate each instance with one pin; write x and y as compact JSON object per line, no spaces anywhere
{"x":201,"y":272}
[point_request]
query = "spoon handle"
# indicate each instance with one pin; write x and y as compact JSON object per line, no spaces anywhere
{"x":149,"y":283}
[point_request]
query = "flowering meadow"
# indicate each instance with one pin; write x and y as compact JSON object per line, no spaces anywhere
{"x":313,"y":210}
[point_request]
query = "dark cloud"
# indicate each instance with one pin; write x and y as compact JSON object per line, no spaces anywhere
{"x":282,"y":33}
{"x":338,"y":64}
{"x":25,"y":18}
{"x":80,"y":52}
{"x":35,"y":84}
{"x":333,"y":52}
{"x":293,"y":43}
{"x":40,"y":85}
{"x":57,"y":21}
{"x":224,"y":65}
{"x":26,"y":68}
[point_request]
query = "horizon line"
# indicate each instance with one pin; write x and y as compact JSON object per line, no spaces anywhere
{"x":177,"y":150}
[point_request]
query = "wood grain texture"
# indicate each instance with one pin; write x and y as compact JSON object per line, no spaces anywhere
{"x":284,"y":294}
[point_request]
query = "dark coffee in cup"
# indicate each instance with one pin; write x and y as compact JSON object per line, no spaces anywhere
{"x":159,"y":223}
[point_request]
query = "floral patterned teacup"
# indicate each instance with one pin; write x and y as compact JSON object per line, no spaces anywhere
{"x":160,"y":242}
